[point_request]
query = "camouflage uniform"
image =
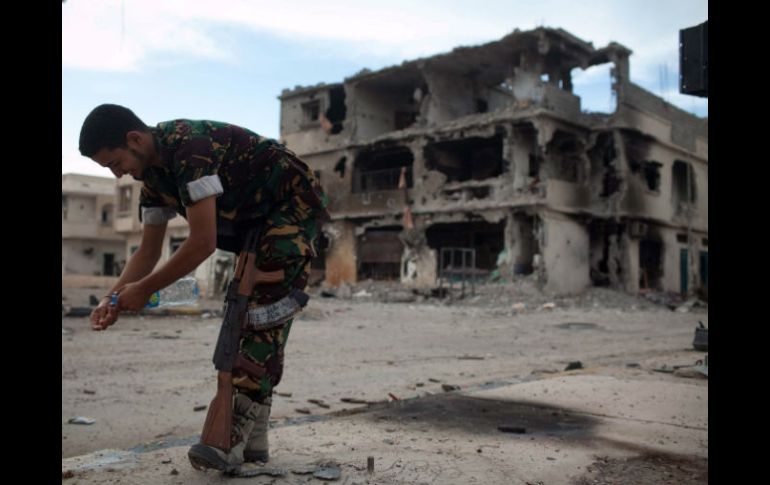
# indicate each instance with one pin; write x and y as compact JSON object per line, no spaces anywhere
{"x":256,"y":181}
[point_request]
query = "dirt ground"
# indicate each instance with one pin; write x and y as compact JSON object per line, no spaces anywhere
{"x":145,"y":380}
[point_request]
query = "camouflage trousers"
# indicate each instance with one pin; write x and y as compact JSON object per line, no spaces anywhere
{"x":287,"y":244}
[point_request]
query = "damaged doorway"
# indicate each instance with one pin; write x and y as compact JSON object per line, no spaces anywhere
{"x":379,"y":254}
{"x":650,"y":264}
{"x":607,"y":253}
{"x":525,"y":245}
{"x":486,"y":238}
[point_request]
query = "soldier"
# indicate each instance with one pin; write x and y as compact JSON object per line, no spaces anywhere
{"x":224,"y":180}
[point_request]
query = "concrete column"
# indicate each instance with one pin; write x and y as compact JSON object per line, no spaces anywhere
{"x":565,"y":255}
{"x":341,"y":257}
{"x":631,"y":264}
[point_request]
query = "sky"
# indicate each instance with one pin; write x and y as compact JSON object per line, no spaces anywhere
{"x":228,"y":60}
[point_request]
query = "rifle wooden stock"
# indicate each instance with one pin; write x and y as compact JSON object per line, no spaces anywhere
{"x":219,"y":420}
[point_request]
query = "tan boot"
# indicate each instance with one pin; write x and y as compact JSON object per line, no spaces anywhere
{"x":244,"y":417}
{"x":257,"y":447}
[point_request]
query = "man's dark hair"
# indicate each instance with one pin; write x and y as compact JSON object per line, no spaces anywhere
{"x":106,"y":127}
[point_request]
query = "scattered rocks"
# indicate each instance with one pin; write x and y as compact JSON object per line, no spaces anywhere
{"x":81,"y":420}
{"x":574,"y":365}
{"x":319,"y":402}
{"x":450,"y":387}
{"x":252,"y":470}
{"x":328,"y":472}
{"x":690,"y":373}
{"x":353,"y":400}
{"x":303,"y":410}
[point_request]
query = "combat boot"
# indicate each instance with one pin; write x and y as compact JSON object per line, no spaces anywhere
{"x":256,"y":447}
{"x":244,"y":417}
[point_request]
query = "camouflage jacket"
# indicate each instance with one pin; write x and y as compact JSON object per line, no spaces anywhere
{"x":250,"y":175}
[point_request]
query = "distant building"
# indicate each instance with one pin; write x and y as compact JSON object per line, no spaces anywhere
{"x":486,"y":149}
{"x":90,"y":244}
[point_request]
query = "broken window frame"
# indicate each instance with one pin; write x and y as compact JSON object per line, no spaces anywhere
{"x":651,"y":168}
{"x":366,"y":180}
{"x":310,"y":107}
{"x":683,"y":201}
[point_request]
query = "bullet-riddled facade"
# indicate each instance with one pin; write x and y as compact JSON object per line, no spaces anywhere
{"x":487,"y":148}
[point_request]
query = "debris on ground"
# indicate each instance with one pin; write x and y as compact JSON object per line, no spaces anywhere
{"x":701,"y":339}
{"x":512,"y":429}
{"x":690,"y":373}
{"x":393,"y":396}
{"x":200,"y":408}
{"x":548,"y":306}
{"x":319,"y":402}
{"x":574,"y":365}
{"x":702,"y":366}
{"x":88,"y":391}
{"x":450,"y":387}
{"x":303,"y":410}
{"x":471,"y":357}
{"x":81,"y":420}
{"x":304,"y":470}
{"x":353,"y":400}
{"x":79,"y":311}
{"x":252,"y":470}
{"x":545,"y":371}
{"x":329,"y":472}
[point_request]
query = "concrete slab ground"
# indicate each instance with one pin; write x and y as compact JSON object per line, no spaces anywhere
{"x":596,"y":425}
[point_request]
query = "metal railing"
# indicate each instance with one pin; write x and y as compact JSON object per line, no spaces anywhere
{"x":458,"y":265}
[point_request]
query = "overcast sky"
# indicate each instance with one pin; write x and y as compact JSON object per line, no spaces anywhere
{"x":228,"y":60}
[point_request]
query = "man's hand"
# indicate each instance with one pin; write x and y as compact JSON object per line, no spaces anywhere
{"x":133,"y":296}
{"x":103,"y":315}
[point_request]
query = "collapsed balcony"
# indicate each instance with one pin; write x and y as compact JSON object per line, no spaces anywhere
{"x":382,"y":169}
{"x":467,"y":159}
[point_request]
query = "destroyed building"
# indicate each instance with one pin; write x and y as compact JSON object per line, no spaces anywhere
{"x":486,"y":149}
